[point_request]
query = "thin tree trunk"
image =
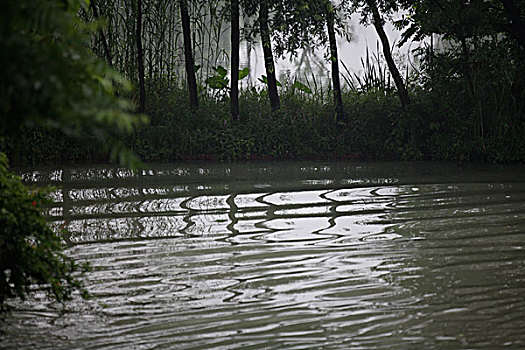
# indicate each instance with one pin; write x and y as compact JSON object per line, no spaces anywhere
{"x":470,"y":82}
{"x":188,"y":55}
{"x":67,"y":205}
{"x":515,"y":26}
{"x":338,"y":100}
{"x":150,"y":64}
{"x":466,"y":66}
{"x":129,"y":61}
{"x":234,"y":92}
{"x":140,"y":59}
{"x":268,"y":58}
{"x":378,"y":24}
{"x":105,"y":46}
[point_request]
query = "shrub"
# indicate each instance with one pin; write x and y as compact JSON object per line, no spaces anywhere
{"x":30,"y":252}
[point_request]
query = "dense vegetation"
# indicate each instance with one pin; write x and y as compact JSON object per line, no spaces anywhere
{"x":30,"y":251}
{"x":48,"y":82}
{"x":465,"y":99}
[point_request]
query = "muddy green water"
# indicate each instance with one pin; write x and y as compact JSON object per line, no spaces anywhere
{"x":287,"y":255}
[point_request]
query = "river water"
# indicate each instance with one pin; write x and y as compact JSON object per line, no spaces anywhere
{"x":286,"y":255}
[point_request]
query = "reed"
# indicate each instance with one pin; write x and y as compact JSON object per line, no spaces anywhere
{"x":373,"y":77}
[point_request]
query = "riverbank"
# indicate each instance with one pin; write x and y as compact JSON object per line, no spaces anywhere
{"x":374,"y":127}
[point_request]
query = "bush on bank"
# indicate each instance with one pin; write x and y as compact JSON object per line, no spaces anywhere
{"x":31,"y":253}
{"x":375,"y":127}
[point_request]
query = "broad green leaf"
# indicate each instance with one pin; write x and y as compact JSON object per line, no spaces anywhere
{"x":263,"y":79}
{"x":244,"y":73}
{"x":222,"y":71}
{"x":301,"y":87}
{"x":217,"y":82}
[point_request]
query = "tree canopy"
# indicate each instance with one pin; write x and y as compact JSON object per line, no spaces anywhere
{"x":48,"y":78}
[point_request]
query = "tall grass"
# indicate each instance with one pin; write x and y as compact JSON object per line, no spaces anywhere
{"x":375,"y":75}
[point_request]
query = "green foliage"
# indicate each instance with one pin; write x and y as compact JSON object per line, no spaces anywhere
{"x":233,"y":145}
{"x":50,"y":88}
{"x":374,"y":77}
{"x":301,"y":87}
{"x":48,"y":79}
{"x":264,"y":79}
{"x":243,"y":73}
{"x":466,"y":99}
{"x":303,"y":129}
{"x":30,"y":252}
{"x":218,"y":81}
{"x":438,"y":125}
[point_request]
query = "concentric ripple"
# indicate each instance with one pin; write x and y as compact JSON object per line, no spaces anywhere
{"x":286,"y":256}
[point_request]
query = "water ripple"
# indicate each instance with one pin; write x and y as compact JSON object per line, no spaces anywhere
{"x":293,"y":256}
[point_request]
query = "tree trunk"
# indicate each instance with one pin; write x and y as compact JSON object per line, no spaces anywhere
{"x":268,"y":58}
{"x":466,"y":66}
{"x":105,"y":46}
{"x":338,"y":100}
{"x":234,"y":92}
{"x":378,"y":24}
{"x":140,"y":59}
{"x":515,"y":26}
{"x":188,"y":55}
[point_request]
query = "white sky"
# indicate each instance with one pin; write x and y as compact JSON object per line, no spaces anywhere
{"x":350,"y":53}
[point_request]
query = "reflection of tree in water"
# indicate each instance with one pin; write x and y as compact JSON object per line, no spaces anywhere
{"x":232,"y":214}
{"x":436,"y":265}
{"x":67,"y":204}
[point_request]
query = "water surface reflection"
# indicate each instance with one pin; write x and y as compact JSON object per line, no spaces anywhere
{"x":288,"y":256}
